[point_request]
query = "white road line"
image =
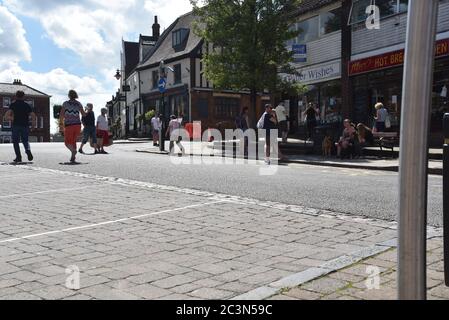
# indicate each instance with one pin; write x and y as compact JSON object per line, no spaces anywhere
{"x":42,"y":192}
{"x":90,"y":226}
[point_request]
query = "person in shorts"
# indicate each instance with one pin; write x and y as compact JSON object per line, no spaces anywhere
{"x":103,"y":131}
{"x":70,"y":122}
{"x":89,"y":130}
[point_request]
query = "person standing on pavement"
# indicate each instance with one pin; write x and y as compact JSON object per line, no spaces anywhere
{"x":242,"y":123}
{"x":281,"y":115}
{"x":311,"y":122}
{"x":70,"y":122}
{"x":381,"y":117}
{"x":89,"y":130}
{"x":269,"y":123}
{"x":103,"y":131}
{"x":19,"y":113}
{"x":172,"y":126}
{"x":156,"y":123}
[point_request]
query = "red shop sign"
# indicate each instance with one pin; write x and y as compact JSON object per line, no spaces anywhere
{"x":391,"y":59}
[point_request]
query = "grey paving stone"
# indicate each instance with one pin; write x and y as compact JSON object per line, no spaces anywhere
{"x":147,"y":291}
{"x":173,"y":281}
{"x":211,"y":293}
{"x":148,"y":277}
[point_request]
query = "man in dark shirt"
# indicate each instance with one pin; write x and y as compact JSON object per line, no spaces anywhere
{"x":19,"y":113}
{"x":89,"y":130}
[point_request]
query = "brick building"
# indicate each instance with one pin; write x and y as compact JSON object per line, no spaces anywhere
{"x":188,"y":92}
{"x":39,"y":101}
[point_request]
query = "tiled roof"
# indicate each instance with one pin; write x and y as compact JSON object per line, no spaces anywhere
{"x":164,"y":49}
{"x":11,"y":89}
{"x":309,"y":5}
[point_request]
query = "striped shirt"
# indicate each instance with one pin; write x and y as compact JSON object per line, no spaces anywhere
{"x":72,"y":110}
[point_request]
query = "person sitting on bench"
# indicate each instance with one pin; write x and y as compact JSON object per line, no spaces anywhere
{"x":346,"y":142}
{"x":365,"y":138}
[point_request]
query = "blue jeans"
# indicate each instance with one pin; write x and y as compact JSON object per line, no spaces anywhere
{"x":20,"y":133}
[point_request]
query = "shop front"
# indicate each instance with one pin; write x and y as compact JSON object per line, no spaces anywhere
{"x":323,"y":89}
{"x":380,"y":78}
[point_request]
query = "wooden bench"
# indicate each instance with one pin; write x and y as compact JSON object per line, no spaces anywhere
{"x":386,"y":140}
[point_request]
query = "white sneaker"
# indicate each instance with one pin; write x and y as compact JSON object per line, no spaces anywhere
{"x":267,"y":162}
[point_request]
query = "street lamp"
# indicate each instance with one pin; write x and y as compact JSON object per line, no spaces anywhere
{"x":118,"y":76}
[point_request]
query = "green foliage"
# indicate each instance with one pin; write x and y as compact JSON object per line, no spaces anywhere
{"x":149,"y":115}
{"x":249,"y":41}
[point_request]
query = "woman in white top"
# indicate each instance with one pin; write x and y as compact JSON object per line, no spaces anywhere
{"x":381,"y":117}
{"x":103,"y":131}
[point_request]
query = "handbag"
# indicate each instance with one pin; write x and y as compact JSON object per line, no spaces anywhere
{"x":388,"y":122}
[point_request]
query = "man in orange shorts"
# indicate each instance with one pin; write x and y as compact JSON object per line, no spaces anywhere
{"x":70,"y":122}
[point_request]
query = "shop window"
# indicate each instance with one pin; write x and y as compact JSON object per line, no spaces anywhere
{"x":227,"y":107}
{"x":178,"y":105}
{"x":308,"y":30}
{"x":177,"y":73}
{"x":6,"y":102}
{"x":330,"y":21}
{"x":203,"y":109}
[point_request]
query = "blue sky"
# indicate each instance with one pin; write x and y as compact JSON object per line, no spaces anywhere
{"x":57,"y":45}
{"x":46,"y":55}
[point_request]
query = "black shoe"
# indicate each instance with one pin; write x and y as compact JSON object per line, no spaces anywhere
{"x":17,"y":160}
{"x":81,"y":151}
{"x":30,"y":156}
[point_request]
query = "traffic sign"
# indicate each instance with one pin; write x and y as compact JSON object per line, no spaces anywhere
{"x":162,"y":84}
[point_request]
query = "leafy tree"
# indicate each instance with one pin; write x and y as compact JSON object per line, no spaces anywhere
{"x":249,"y":42}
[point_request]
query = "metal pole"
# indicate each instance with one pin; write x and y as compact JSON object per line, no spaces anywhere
{"x":446,"y":197}
{"x":163,"y":126}
{"x":417,"y":89}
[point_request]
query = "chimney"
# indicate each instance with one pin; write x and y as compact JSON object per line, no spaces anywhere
{"x":156,"y":29}
{"x":17,"y":81}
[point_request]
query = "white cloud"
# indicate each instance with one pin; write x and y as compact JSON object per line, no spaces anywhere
{"x":57,"y":83}
{"x":93,"y":29}
{"x":13,"y":45}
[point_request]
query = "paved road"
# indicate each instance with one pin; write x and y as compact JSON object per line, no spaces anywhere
{"x":122,"y":244}
{"x":361,"y":192}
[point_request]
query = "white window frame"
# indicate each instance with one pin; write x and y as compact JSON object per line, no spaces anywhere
{"x":41,"y":123}
{"x":320,"y":34}
{"x":373,"y":2}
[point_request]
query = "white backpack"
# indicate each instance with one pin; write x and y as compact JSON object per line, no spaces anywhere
{"x":260,"y":123}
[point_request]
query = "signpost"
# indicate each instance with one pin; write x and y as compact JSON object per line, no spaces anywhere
{"x":299,"y":53}
{"x":417,"y":99}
